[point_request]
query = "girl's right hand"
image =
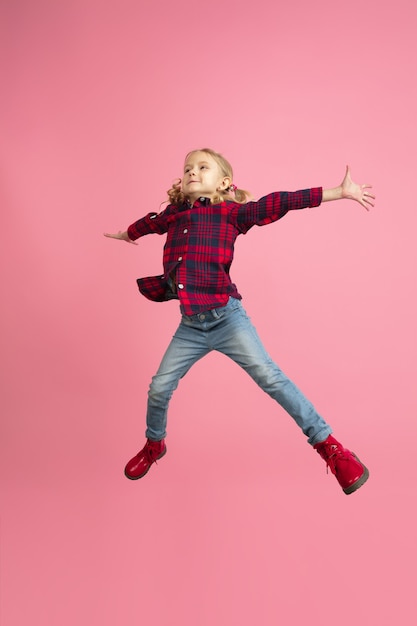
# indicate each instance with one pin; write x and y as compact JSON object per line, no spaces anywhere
{"x":121,"y":235}
{"x":353,"y":191}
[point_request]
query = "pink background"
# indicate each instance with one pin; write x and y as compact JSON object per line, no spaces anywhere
{"x":239,"y":524}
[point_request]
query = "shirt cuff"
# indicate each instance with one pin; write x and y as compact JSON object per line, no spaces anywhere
{"x":132,"y":233}
{"x":316,"y":195}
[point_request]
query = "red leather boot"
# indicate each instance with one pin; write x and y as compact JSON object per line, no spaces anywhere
{"x":349,"y":471}
{"x":140,"y":464}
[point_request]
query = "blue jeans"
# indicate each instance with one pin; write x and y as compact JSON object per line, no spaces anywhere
{"x":228,"y":330}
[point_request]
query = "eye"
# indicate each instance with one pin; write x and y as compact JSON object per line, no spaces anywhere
{"x":203,"y":167}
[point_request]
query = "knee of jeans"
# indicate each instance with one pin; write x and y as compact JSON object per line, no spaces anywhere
{"x":267,"y":375}
{"x":161,"y":387}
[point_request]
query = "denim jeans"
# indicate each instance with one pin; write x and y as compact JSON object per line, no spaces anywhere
{"x":228,"y":330}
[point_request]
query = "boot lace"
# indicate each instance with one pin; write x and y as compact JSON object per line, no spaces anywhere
{"x":332,"y":454}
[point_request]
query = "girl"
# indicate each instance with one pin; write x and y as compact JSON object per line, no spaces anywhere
{"x":205,"y":215}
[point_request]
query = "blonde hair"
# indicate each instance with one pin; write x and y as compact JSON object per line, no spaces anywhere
{"x":176,"y":196}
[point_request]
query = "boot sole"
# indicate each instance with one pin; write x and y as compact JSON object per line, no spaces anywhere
{"x":352,"y":488}
{"x":144,"y":473}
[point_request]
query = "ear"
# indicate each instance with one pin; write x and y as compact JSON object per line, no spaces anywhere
{"x":226,"y":182}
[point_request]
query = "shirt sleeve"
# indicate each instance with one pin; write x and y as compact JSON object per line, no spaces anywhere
{"x":151,"y":223}
{"x":272,"y":207}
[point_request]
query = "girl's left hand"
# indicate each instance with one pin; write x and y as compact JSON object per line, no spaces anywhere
{"x":122,"y":235}
{"x":353,"y":191}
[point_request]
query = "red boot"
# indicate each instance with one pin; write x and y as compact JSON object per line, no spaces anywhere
{"x":140,"y":464}
{"x":349,"y":471}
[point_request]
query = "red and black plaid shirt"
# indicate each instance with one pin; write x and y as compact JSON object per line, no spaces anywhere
{"x":200,"y":241}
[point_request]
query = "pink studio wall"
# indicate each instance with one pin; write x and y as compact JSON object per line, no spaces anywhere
{"x":239,"y":524}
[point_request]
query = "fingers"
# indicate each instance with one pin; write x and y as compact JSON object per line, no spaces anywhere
{"x":366,"y":200}
{"x":117,"y":235}
{"x":366,"y":194}
{"x":121,"y":236}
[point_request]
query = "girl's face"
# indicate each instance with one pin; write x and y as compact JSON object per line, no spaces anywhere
{"x":202,"y":176}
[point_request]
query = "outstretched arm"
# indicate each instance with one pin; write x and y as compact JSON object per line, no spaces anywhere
{"x":121,"y":235}
{"x":350,"y":190}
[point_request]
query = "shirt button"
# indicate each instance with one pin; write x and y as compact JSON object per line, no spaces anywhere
{"x":180,"y":286}
{"x":202,"y":317}
{"x":202,"y":199}
{"x":185,"y":230}
{"x":180,"y":258}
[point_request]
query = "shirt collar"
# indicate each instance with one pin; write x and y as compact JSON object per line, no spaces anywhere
{"x":202,"y":201}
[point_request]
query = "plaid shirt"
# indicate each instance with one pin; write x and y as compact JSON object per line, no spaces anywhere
{"x":200,"y":241}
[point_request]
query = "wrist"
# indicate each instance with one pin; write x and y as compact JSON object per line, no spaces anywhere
{"x":336,"y":193}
